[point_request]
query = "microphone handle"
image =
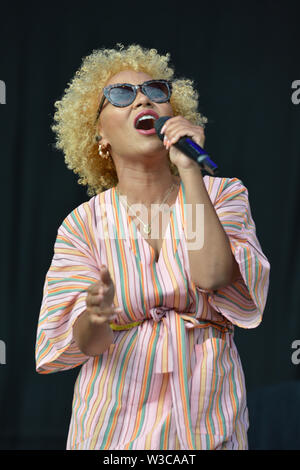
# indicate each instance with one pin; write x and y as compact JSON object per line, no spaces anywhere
{"x":197,"y":153}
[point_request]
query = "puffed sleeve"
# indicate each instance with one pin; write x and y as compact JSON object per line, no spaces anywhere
{"x":73,"y":268}
{"x":243,"y":301}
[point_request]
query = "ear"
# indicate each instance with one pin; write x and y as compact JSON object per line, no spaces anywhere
{"x":100,"y":139}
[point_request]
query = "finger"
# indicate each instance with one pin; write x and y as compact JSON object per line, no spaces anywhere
{"x":175,"y":136}
{"x":94,"y":300}
{"x":182,"y":125}
{"x":108,"y":314}
{"x":106,"y":292}
{"x":117,"y":310}
{"x":182,"y":122}
{"x":197,"y":136}
{"x":105,"y":275}
{"x":174,"y":121}
{"x":100,"y":320}
{"x":166,"y":141}
{"x":100,"y":311}
{"x":181,"y":132}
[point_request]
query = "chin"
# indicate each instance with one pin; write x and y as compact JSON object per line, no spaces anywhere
{"x":154,"y":146}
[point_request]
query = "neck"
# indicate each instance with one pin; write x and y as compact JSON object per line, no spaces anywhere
{"x":146,"y":187}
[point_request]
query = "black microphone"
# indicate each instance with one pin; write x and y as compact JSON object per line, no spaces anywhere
{"x":189,"y":148}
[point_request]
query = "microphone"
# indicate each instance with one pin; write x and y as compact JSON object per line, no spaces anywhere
{"x":189,"y":148}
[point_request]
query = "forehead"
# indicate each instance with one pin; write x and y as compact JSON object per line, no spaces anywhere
{"x":129,"y":76}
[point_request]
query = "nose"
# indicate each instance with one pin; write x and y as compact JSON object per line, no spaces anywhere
{"x":141,"y":100}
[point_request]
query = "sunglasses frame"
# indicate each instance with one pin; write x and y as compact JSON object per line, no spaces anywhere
{"x":135,"y":89}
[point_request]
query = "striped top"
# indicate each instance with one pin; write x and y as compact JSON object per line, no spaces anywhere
{"x":172,"y":378}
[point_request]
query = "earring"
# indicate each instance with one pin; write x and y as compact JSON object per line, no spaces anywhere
{"x":103,"y":152}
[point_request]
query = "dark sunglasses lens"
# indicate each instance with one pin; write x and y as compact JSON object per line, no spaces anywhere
{"x":157,"y":91}
{"x":121,"y":95}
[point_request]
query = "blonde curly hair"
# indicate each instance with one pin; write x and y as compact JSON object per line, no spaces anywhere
{"x":75,"y":125}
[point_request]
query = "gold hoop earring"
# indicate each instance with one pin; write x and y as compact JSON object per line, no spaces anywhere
{"x":103,"y":152}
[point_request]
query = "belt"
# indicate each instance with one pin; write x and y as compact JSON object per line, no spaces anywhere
{"x":171,"y":358}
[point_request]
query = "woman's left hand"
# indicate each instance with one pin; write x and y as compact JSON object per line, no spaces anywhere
{"x":175,"y":128}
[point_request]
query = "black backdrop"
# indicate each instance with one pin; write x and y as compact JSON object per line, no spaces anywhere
{"x":244,"y":57}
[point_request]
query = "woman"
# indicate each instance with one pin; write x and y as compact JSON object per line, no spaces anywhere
{"x":146,"y":311}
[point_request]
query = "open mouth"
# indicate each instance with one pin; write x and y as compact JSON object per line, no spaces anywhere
{"x":145,"y":123}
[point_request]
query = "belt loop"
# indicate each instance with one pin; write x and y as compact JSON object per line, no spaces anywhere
{"x":164,"y":356}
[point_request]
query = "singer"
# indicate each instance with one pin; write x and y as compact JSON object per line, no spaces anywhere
{"x":147,"y":314}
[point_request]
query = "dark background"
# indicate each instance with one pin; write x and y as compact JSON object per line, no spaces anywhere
{"x":243,"y":57}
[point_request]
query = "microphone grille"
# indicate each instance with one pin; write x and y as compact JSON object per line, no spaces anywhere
{"x":159,"y":124}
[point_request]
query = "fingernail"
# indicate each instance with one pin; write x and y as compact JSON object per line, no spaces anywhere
{"x":163,"y":129}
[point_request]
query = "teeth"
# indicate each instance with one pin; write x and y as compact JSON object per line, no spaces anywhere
{"x":146,"y":116}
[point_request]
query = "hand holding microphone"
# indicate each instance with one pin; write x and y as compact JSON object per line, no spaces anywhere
{"x":188,"y":139}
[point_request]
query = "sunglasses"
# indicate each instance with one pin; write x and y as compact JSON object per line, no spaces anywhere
{"x":124,"y":94}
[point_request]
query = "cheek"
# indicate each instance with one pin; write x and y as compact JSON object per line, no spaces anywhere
{"x":113,"y":127}
{"x":167,"y":110}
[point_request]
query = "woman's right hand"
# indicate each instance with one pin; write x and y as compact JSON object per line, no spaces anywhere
{"x":91,"y":330}
{"x":99,"y":301}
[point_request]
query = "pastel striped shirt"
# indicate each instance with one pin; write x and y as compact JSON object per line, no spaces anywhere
{"x":172,"y":378}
